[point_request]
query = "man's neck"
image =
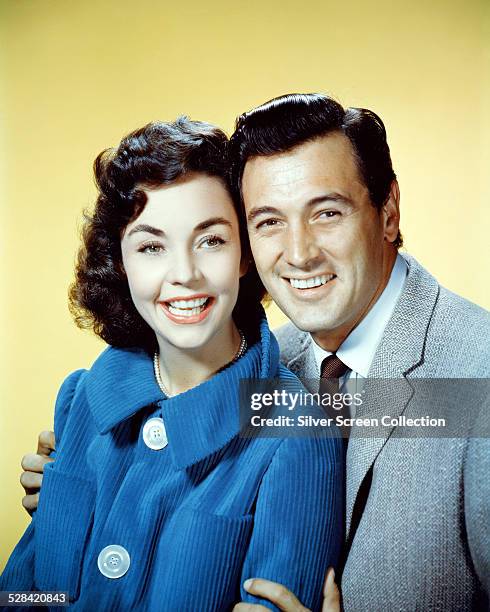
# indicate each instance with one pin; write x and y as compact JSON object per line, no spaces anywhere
{"x":331,"y":340}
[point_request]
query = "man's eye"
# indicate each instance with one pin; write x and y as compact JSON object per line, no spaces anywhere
{"x":268,"y":223}
{"x":328,"y":214}
{"x":152,"y":248}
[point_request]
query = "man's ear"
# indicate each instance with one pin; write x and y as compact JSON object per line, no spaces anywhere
{"x":391,"y":213}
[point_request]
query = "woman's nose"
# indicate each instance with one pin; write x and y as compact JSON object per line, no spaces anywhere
{"x":183,"y":270}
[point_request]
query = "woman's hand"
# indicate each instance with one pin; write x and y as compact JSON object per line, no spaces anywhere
{"x":33,"y":466}
{"x":285,"y":600}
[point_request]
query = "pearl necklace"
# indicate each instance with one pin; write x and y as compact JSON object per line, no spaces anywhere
{"x":156,"y":363}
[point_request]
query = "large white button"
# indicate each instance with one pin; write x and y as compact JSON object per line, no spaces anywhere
{"x":113,"y":561}
{"x":154,"y":434}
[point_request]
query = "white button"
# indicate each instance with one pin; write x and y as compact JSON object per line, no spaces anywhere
{"x":113,"y":561}
{"x":154,"y":434}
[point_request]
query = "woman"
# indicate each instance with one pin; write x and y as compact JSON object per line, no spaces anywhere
{"x":155,"y":500}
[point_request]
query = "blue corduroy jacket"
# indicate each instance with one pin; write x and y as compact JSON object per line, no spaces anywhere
{"x":197,"y":517}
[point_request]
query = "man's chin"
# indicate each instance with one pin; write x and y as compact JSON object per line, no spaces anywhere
{"x":312,"y":324}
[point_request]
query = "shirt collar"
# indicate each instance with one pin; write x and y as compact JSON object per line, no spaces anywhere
{"x":358,"y":349}
{"x":198,"y":422}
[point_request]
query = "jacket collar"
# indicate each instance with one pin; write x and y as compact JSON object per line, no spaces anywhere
{"x":401,"y":348}
{"x":303,"y":364}
{"x":198,"y":422}
{"x":120,"y":383}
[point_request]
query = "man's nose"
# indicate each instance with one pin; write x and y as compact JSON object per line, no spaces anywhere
{"x":183,"y":269}
{"x":301,"y":249}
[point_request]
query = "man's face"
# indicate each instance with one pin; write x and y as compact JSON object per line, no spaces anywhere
{"x":321,"y":248}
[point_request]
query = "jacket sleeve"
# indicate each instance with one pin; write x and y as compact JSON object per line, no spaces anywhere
{"x":298,"y":524}
{"x":477,"y":503}
{"x":18,"y":574}
{"x":63,"y":404}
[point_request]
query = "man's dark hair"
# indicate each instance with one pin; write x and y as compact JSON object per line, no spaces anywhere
{"x":155,"y":155}
{"x":287,"y":121}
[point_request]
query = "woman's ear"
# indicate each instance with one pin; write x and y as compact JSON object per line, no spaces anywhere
{"x":244,"y":265}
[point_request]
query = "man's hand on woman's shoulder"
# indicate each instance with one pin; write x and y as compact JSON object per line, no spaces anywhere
{"x":286,"y":601}
{"x":33,"y":465}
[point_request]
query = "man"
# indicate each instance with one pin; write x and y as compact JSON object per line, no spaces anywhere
{"x":322,"y":206}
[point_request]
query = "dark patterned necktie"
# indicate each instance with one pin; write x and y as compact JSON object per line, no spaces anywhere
{"x":332,"y":369}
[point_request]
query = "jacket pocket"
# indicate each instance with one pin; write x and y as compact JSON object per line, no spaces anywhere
{"x":199,"y":561}
{"x":63,"y":524}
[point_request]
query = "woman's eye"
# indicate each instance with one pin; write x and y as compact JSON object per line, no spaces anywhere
{"x":211,"y":242}
{"x":152,"y":248}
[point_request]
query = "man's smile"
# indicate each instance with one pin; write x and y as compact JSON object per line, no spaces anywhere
{"x":311,"y":282}
{"x":311,"y":288}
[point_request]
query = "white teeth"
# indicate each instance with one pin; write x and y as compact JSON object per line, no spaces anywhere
{"x":189,"y":312}
{"x":308,"y":283}
{"x":187,"y":308}
{"x":189,"y":303}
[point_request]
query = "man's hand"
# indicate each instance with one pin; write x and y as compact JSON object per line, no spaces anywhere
{"x":284,"y":599}
{"x":33,"y":466}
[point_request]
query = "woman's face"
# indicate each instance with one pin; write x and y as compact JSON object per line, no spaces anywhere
{"x":182,"y":261}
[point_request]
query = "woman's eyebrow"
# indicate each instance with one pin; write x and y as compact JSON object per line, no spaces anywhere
{"x":143,"y":227}
{"x":148,"y":229}
{"x":213,"y":221}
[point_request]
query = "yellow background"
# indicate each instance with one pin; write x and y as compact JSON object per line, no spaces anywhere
{"x":76,"y":76}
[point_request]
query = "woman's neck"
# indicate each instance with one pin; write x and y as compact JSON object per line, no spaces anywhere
{"x":182,"y":369}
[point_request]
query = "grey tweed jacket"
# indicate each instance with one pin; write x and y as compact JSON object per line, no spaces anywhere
{"x":418,"y":509}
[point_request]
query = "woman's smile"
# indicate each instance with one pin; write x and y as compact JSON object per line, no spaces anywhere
{"x":192,"y":309}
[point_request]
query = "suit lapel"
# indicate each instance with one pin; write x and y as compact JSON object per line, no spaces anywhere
{"x":399,"y":353}
{"x":304,"y":364}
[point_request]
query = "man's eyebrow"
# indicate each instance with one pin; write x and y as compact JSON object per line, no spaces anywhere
{"x":210,"y":222}
{"x":271,"y":210}
{"x":330,"y":197}
{"x":148,"y":229}
{"x":262,"y":210}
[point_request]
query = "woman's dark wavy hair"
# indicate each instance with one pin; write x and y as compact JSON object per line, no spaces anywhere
{"x":157,"y":154}
{"x":287,"y":121}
